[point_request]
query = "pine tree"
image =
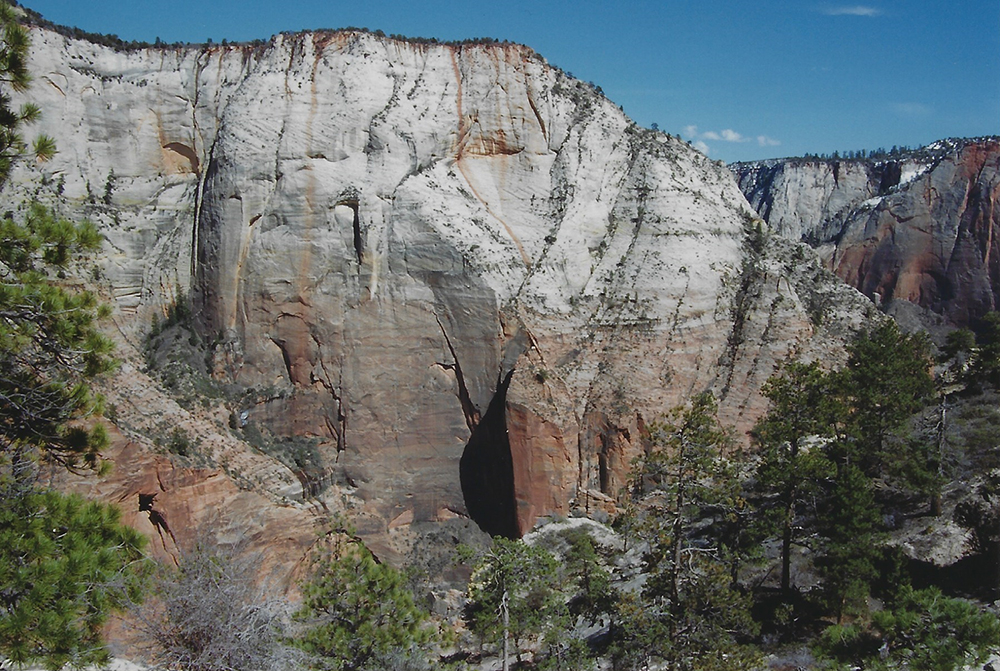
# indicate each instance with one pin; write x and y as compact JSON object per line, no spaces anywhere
{"x":985,"y":368}
{"x":58,"y":555}
{"x":50,"y":347}
{"x":14,"y":76}
{"x":981,"y":515}
{"x":886,"y":380}
{"x":694,"y":609}
{"x":65,"y":565}
{"x":922,"y":630}
{"x":802,"y":407}
{"x":514,"y":597}
{"x":850,"y":524}
{"x":591,"y":595}
{"x":358,"y":612}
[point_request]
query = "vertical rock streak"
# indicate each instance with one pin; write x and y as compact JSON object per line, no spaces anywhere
{"x":916,"y":233}
{"x":491,"y":195}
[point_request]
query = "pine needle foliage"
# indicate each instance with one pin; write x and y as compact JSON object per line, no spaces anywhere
{"x":923,"y":630}
{"x":50,"y":347}
{"x":14,"y":77}
{"x":65,"y":565}
{"x":514,"y":597}
{"x":359,"y":613}
{"x":694,"y":615}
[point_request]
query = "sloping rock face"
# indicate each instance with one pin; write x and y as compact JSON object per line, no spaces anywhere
{"x":920,"y":230}
{"x":469,"y":278}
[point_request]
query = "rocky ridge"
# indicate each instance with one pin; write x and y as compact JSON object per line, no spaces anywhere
{"x":468,"y":279}
{"x":916,"y":233}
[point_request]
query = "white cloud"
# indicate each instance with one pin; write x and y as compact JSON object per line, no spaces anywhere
{"x":700,"y":139}
{"x":852,"y":10}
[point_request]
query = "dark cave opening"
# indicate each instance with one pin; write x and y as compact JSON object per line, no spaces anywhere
{"x":487,"y":470}
{"x":891,"y":176}
{"x":358,"y":242}
{"x":351,"y":203}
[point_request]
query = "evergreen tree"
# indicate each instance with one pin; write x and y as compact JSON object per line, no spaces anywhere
{"x":850,"y":524}
{"x":50,"y":347}
{"x":14,"y":76}
{"x":514,"y":597}
{"x":359,"y":613}
{"x":590,"y":598}
{"x":65,"y":565}
{"x":958,"y":345}
{"x":696,"y":614}
{"x":921,"y":630}
{"x":985,"y":368}
{"x":802,"y":407}
{"x":59,"y":556}
{"x":981,"y":515}
{"x":62,"y":551}
{"x":887,"y":379}
{"x":591,"y":594}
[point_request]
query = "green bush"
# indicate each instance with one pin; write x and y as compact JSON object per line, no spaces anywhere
{"x":923,"y":631}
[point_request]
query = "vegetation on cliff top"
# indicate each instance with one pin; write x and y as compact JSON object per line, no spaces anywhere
{"x":31,"y":17}
{"x":926,"y":154}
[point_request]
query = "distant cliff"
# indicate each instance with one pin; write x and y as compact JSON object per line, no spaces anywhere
{"x":920,"y":228}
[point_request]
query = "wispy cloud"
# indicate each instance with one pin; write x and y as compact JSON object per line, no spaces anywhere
{"x":729,"y":135}
{"x":911,"y":109}
{"x":702,"y":147}
{"x":700,"y":138}
{"x":852,"y":10}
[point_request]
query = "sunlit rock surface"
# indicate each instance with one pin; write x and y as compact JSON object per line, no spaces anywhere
{"x":378,"y":236}
{"x":915,"y":231}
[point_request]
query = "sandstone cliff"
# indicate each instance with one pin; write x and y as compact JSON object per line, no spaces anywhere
{"x":919,"y":229}
{"x":466,"y":278}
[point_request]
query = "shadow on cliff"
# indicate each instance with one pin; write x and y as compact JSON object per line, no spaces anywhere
{"x":487,"y":470}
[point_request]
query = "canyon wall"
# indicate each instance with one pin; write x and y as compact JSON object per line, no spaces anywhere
{"x":918,"y":230}
{"x":467,"y":278}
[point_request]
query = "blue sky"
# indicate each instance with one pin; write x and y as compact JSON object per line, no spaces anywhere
{"x":742,"y":80}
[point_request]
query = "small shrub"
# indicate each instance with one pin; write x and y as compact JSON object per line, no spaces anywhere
{"x":180,"y":443}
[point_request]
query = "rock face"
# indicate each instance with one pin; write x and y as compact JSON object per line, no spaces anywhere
{"x":469,"y":278}
{"x":920,"y":229}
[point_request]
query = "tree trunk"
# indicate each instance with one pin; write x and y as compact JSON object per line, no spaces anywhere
{"x":996,"y":568}
{"x":936,"y":505}
{"x":786,"y":555}
{"x":786,"y":533}
{"x":505,"y":613}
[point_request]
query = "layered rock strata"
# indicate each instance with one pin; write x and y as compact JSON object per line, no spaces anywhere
{"x":921,"y":229}
{"x":467,"y":277}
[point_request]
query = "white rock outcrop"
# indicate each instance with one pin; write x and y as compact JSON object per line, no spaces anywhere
{"x":384,"y":230}
{"x":916,"y":232}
